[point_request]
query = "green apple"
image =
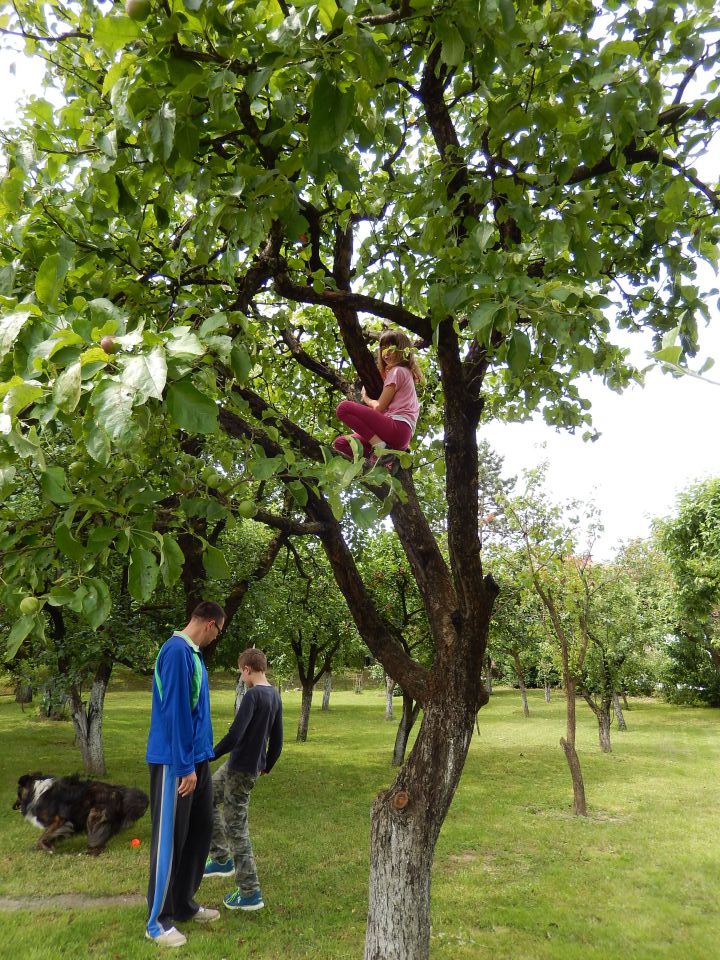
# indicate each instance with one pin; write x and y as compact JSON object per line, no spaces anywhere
{"x":29,"y":605}
{"x":137,"y":9}
{"x":109,"y":345}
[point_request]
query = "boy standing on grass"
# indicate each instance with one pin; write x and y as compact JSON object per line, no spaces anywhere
{"x":254,"y":742}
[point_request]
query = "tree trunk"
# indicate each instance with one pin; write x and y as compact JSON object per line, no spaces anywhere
{"x":327,"y":690}
{"x":304,"y":718}
{"x":603,"y":719}
{"x":406,"y":821}
{"x":240,"y":691}
{"x":568,"y":744}
{"x":521,"y":681}
{"x":88,"y":720}
{"x":579,"y":802}
{"x":389,"y":687}
{"x":618,"y":712}
{"x":488,"y":674}
{"x":410,"y":711}
{"x":626,"y":705}
{"x":23,"y":694}
{"x":547,"y":691}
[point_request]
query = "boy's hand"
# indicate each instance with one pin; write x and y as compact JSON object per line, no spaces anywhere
{"x":187,"y":784}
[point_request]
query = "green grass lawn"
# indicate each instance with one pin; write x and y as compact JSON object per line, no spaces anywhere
{"x":516,"y":877}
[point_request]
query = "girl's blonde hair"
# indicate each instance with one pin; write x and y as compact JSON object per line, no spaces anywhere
{"x":399,"y":344}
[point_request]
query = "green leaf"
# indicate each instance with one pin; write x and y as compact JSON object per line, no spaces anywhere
{"x":453,"y":45}
{"x":146,"y":374}
{"x":66,"y":391}
{"x":97,"y":442}
{"x":67,"y":543}
{"x":100,"y":537}
{"x":190,"y":409}
{"x":518,"y":352}
{"x":363,"y":514}
{"x":162,"y":130}
{"x":20,"y":630}
{"x":113,"y":33}
{"x":97,"y":603}
{"x":481,"y":319}
{"x":240,"y":362}
{"x":171,"y":560}
{"x":113,"y":403}
{"x":53,"y":484}
{"x":331,"y":110}
{"x":142,"y":574}
{"x":668,"y":355}
{"x":10,"y":327}
{"x":507,"y":12}
{"x":50,"y":277}
{"x":215,"y":565}
{"x":60,"y":596}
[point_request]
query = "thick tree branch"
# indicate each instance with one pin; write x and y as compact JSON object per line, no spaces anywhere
{"x":316,"y":366}
{"x":377,"y":633}
{"x":350,"y":329}
{"x":353,"y":301}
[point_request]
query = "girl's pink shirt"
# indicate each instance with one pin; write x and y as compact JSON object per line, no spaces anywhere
{"x":405,"y":402}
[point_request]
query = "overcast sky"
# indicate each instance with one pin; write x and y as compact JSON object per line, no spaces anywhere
{"x":655,"y":440}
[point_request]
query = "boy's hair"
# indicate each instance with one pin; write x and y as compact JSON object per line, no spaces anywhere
{"x":253,"y":658}
{"x":209,"y":610}
{"x":399,"y":343}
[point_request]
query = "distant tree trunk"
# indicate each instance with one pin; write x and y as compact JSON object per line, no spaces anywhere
{"x":547,"y":691}
{"x":488,"y":674}
{"x":602,"y":715}
{"x":626,"y":705}
{"x":327,"y":690}
{"x":23,"y":694}
{"x":240,"y":691}
{"x":304,"y":718}
{"x":88,"y":719}
{"x":568,"y":743}
{"x":521,"y":681}
{"x":410,"y":711}
{"x":618,"y":712}
{"x":389,"y":687}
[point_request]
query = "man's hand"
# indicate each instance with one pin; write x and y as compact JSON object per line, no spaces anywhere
{"x":187,"y":784}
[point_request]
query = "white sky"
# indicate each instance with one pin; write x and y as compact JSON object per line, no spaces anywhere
{"x":655,"y":440}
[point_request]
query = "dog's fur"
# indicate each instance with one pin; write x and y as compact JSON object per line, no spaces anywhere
{"x":62,"y":806}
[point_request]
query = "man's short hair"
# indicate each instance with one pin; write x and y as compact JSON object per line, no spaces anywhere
{"x":209,"y":610}
{"x":253,"y":658}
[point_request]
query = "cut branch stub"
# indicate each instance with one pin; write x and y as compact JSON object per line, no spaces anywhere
{"x":400,"y":800}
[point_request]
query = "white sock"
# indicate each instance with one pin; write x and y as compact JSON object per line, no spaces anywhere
{"x":380,"y":443}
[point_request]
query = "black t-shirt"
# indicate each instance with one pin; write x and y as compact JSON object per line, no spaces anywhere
{"x":255,"y":737}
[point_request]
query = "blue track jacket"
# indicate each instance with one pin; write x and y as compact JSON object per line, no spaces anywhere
{"x":180,"y":728}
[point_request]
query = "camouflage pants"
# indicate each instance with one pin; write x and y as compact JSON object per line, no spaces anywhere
{"x":230,"y":837}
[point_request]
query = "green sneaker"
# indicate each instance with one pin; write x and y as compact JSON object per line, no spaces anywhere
{"x":215,"y":869}
{"x":236,"y":901}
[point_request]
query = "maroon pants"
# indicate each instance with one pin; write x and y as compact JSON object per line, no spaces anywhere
{"x":365,"y":423}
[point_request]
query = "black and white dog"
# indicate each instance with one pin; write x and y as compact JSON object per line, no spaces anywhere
{"x":62,"y":806}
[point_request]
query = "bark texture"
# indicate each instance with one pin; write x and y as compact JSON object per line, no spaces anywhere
{"x":410,"y":711}
{"x":406,"y":822}
{"x":622,"y":725}
{"x":327,"y":690}
{"x":88,"y":719}
{"x":389,"y":688}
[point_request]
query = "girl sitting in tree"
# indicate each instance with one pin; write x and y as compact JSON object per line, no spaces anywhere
{"x":390,"y":420}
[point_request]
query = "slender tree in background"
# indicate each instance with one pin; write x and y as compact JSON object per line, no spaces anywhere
{"x":233,"y":196}
{"x":691,"y":544}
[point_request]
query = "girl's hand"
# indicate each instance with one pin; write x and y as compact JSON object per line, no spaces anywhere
{"x":368,"y":400}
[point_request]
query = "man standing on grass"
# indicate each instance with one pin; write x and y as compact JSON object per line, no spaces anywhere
{"x":179,"y":751}
{"x":254,"y":742}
